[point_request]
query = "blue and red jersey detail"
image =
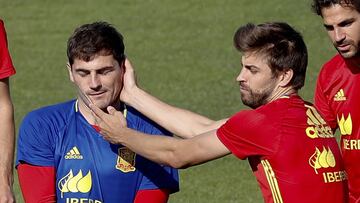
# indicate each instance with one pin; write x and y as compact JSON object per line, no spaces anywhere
{"x":87,"y":166}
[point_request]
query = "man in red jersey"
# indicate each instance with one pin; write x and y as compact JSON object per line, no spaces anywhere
{"x":7,"y":136}
{"x":290,"y":148}
{"x":336,"y":94}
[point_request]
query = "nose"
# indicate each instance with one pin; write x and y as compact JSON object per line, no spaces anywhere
{"x":241,"y":76}
{"x":339,"y":35}
{"x":95,"y":83}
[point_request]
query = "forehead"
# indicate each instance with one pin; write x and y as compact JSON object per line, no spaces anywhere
{"x":97,"y":62}
{"x":337,"y":13}
{"x":255,"y":59}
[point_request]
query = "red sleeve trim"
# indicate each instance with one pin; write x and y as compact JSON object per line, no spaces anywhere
{"x":96,"y":127}
{"x":37,"y":183}
{"x":152,"y":196}
{"x":6,"y":67}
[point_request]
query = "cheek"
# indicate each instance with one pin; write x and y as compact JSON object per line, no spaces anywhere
{"x":356,"y":37}
{"x":116,"y":84}
{"x":331,"y":35}
{"x":263,"y":84}
{"x":80,"y":82}
{"x":260,"y":81}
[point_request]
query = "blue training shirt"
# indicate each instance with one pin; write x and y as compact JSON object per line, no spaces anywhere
{"x":88,"y":168}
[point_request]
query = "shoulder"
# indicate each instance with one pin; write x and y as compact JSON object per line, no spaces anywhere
{"x":246,"y":121}
{"x":275,"y":109}
{"x":332,"y":67}
{"x":260,"y":114}
{"x":271,"y":113}
{"x":54,"y":114}
{"x":139,"y":122}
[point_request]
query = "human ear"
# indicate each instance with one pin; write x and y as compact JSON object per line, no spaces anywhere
{"x":286,"y":77}
{"x":68,"y":66}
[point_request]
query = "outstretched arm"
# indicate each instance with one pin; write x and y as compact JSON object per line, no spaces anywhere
{"x":177,"y":153}
{"x":7,"y":139}
{"x":179,"y":121}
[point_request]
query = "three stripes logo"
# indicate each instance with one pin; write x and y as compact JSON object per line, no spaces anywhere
{"x":272,"y":180}
{"x":73,"y":154}
{"x":340,"y":96}
{"x":317,"y":127}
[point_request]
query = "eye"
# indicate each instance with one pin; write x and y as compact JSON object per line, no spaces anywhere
{"x":105,"y":71}
{"x":253,"y":70}
{"x":329,"y":27}
{"x":82,"y":73}
{"x":346,"y":23}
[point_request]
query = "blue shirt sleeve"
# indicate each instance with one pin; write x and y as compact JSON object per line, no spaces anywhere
{"x":35,"y":141}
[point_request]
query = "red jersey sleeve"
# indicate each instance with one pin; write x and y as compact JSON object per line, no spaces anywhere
{"x":6,"y":67}
{"x":152,"y":196}
{"x":249,"y":133}
{"x":37,"y":183}
{"x":321,"y":101}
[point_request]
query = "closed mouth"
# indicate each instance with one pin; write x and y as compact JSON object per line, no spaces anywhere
{"x":96,"y":93}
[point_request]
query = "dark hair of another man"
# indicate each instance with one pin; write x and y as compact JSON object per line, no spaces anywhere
{"x":283,"y":47}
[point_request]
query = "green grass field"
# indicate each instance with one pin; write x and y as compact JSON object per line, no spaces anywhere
{"x":183,"y":54}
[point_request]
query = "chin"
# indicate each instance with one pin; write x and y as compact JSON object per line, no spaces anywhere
{"x":349,"y":54}
{"x":101,"y":106}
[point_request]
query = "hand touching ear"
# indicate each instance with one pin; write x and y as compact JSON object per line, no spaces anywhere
{"x":129,"y":82}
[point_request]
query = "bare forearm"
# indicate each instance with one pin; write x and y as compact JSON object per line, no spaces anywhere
{"x":7,"y":140}
{"x":160,"y":149}
{"x":174,"y":152}
{"x":179,"y":121}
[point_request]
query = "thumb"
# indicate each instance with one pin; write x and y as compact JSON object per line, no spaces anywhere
{"x":111,"y":110}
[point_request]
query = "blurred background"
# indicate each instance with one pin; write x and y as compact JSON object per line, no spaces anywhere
{"x":183,"y":53}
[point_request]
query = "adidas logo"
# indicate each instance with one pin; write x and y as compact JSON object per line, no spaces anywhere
{"x":340,"y":96}
{"x":317,"y":127}
{"x":73,"y":154}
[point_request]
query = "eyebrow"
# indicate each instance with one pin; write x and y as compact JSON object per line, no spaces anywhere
{"x":347,"y":21}
{"x":342,"y":23}
{"x":100,"y":69}
{"x":250,"y":67}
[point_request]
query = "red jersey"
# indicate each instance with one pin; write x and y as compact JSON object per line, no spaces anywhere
{"x":338,"y":100}
{"x":291,"y":150}
{"x":6,"y":67}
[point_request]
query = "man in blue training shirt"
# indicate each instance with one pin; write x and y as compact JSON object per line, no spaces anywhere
{"x":61,"y":157}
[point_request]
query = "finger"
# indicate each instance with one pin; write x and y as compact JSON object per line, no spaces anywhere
{"x":111,"y":110}
{"x":98,"y":112}
{"x":128,"y":66}
{"x":97,"y":120}
{"x":106,"y":136}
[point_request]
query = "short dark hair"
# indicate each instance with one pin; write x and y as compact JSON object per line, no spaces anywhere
{"x":89,"y":40}
{"x":317,"y":5}
{"x":283,"y":47}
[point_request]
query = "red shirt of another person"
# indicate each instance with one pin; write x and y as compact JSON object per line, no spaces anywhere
{"x":338,"y":100}
{"x":291,"y":150}
{"x":6,"y":67}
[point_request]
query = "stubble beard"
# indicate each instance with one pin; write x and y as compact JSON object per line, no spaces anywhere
{"x":255,"y":99}
{"x":352,"y":53}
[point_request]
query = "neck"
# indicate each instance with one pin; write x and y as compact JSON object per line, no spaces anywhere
{"x":287,"y":91}
{"x":355,"y":61}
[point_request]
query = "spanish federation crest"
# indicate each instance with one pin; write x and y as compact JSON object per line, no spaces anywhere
{"x":126,"y":160}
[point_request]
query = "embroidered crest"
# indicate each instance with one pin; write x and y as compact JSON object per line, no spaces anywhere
{"x":126,"y":160}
